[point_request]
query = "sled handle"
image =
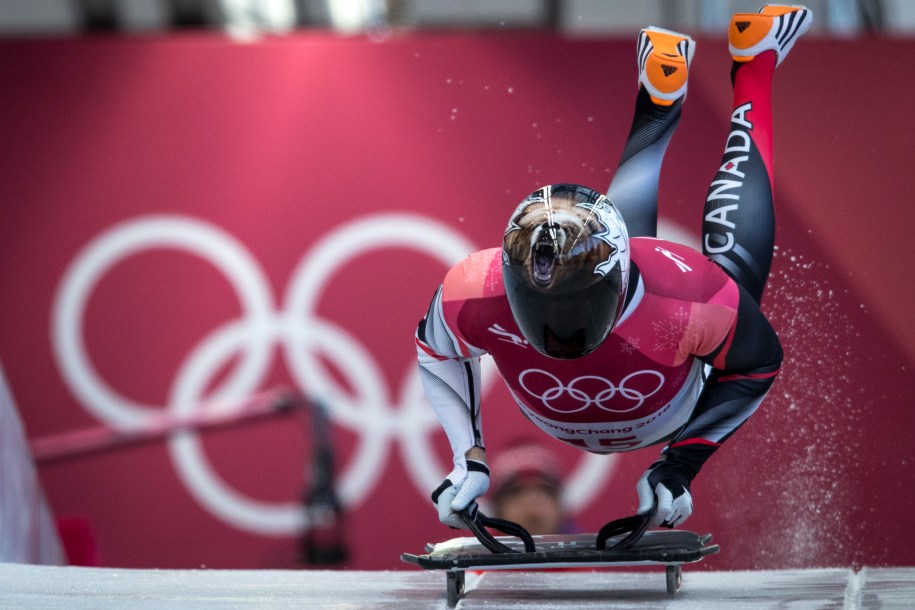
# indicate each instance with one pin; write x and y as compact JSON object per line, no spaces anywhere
{"x":634,"y":526}
{"x":477,"y":523}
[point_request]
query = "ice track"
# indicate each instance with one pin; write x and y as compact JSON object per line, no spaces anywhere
{"x":52,"y":588}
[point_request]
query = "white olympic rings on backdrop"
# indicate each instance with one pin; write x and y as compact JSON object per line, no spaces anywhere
{"x":582,"y":400}
{"x":367,"y":407}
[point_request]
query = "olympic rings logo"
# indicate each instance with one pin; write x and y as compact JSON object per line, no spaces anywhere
{"x":581,"y":399}
{"x":366,"y":406}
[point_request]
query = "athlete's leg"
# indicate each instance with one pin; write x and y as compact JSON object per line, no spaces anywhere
{"x":738,"y":228}
{"x":663,"y":59}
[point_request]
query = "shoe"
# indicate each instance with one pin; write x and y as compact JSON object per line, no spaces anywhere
{"x":664,"y":58}
{"x":774,"y":28}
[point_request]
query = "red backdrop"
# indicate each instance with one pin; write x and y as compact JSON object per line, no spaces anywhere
{"x":187,"y":217}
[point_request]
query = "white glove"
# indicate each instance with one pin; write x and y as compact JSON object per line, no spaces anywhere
{"x":665,"y":484}
{"x":451,"y":498}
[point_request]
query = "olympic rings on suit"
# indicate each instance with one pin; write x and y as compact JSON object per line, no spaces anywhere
{"x":581,"y":400}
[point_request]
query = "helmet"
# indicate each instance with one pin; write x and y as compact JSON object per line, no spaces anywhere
{"x":565,"y":265}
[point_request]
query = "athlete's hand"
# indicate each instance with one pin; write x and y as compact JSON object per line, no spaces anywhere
{"x":450,"y":498}
{"x":665,"y":483}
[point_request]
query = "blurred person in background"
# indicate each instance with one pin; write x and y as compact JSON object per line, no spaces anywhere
{"x":526,"y":488}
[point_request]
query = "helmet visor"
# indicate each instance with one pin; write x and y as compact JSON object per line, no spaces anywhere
{"x":568,"y":324}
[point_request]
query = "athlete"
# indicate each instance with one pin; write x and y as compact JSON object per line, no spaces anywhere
{"x":609,"y":339}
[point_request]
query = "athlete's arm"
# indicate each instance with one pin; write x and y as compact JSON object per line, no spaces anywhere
{"x":744,"y":367}
{"x":451,"y":379}
{"x":449,"y":370}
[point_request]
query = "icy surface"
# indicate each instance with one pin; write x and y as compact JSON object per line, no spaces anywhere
{"x":25,"y":586}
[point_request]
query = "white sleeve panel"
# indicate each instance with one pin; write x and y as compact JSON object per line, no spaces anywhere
{"x":451,"y":381}
{"x":434,"y":333}
{"x":452,"y":391}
